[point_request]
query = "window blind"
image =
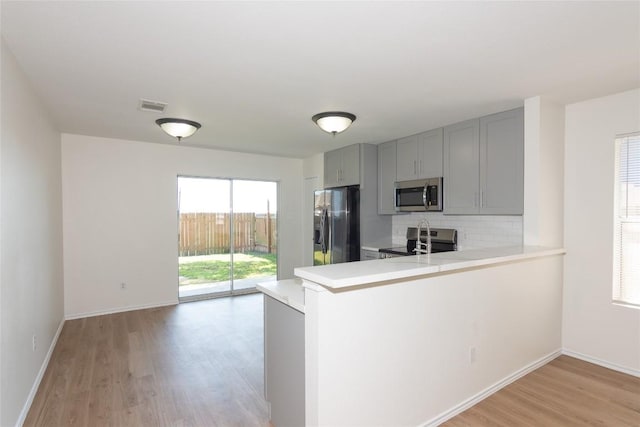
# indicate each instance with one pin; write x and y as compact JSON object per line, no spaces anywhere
{"x":626,"y":288}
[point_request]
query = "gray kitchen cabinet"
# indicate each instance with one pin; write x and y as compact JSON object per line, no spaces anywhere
{"x":484,"y":165}
{"x":461,"y":167}
{"x":386,"y":177}
{"x":430,"y":153}
{"x":284,"y":363}
{"x":350,"y":174}
{"x":342,"y":167}
{"x":420,"y":156}
{"x":502,"y":163}
{"x":358,"y":165}
{"x":332,"y":168}
{"x":407,"y":158}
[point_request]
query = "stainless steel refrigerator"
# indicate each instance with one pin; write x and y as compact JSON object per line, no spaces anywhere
{"x":336,"y":225}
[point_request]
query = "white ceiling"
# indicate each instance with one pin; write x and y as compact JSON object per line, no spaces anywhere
{"x":253,"y":73}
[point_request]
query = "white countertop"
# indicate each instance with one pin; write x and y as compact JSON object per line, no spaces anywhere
{"x":289,"y":292}
{"x":346,"y":275}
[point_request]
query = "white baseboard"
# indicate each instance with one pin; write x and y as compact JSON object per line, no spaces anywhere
{"x":603,"y":363}
{"x":119,"y":310}
{"x":450,"y":413}
{"x":36,"y":383}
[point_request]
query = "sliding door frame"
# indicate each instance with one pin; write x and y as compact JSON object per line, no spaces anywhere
{"x":231,"y":291}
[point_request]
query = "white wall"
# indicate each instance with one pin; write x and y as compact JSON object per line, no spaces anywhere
{"x":544,"y":172}
{"x":313,"y":167}
{"x":31,"y":280}
{"x":120,"y":217}
{"x":593,"y":326}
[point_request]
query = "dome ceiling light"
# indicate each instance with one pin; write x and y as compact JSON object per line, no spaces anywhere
{"x":334,"y":122}
{"x":178,"y":128}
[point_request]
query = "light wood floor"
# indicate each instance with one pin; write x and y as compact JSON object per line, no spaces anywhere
{"x":195,"y":364}
{"x":201,"y":364}
{"x":564,"y":392}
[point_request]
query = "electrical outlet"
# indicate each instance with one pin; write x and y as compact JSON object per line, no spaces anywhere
{"x":472,"y":355}
{"x":123,"y":286}
{"x":33,"y":342}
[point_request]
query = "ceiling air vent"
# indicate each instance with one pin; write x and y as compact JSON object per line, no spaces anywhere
{"x":153,"y":106}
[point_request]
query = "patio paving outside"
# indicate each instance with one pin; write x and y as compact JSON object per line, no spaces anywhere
{"x":187,"y":291}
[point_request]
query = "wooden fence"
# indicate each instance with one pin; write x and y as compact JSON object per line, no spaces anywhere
{"x":209,"y":233}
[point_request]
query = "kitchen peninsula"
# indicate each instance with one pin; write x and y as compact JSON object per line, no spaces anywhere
{"x":413,"y":340}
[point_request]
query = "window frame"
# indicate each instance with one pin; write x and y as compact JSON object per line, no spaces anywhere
{"x":618,"y":296}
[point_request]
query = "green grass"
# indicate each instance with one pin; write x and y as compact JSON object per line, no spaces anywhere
{"x":215,"y":268}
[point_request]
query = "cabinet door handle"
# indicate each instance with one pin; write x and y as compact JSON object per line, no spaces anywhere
{"x":415,"y":168}
{"x":482,"y":198}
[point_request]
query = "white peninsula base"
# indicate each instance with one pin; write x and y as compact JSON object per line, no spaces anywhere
{"x":416,"y":344}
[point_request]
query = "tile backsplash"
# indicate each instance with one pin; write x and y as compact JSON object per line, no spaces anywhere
{"x":474,"y":231}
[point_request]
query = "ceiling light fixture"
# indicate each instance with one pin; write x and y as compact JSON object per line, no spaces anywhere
{"x":334,"y":122}
{"x":178,"y":128}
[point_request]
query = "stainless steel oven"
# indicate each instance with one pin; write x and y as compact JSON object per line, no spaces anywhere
{"x":442,"y":240}
{"x":419,"y":195}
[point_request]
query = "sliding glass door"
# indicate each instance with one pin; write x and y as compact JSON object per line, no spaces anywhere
{"x":227,"y":236}
{"x":254,"y":234}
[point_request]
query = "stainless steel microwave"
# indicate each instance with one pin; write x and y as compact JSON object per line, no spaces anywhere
{"x":419,"y":195}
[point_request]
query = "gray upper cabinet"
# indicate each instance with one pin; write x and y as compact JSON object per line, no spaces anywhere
{"x":407,"y":158}
{"x":461,"y":167}
{"x":350,"y":174}
{"x":484,"y":165}
{"x":332,"y":168}
{"x":358,"y":165}
{"x":502,"y":163}
{"x":386,"y":177}
{"x":430,"y":153}
{"x":342,"y":167}
{"x":420,"y":156}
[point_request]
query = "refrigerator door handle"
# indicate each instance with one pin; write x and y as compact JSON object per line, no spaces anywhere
{"x":323,"y":229}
